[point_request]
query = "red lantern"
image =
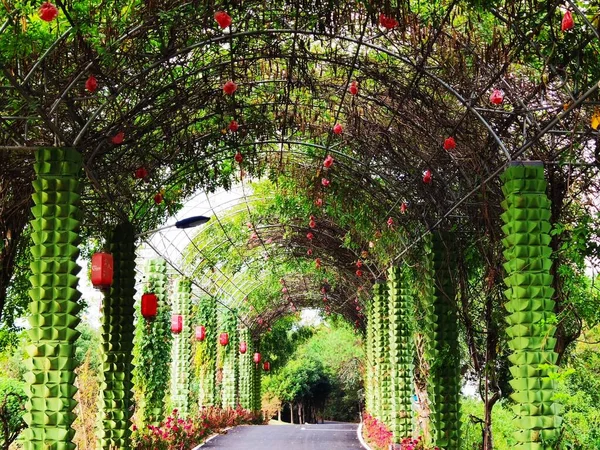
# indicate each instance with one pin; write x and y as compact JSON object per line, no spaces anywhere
{"x":200,"y":333}
{"x":496,"y":97}
{"x":387,"y":22}
{"x":318,"y":263}
{"x":158,"y":198}
{"x":427,"y":177}
{"x":403,"y":208}
{"x":309,"y":252}
{"x":176,"y":323}
{"x":234,"y":126}
{"x":238,"y":157}
{"x":309,"y":236}
{"x":256,"y":358}
{"x":337,"y":129}
{"x":353,"y":88}
{"x":266,"y":366}
{"x":359,"y":273}
{"x":359,"y":263}
{"x":319,"y":202}
{"x":118,"y":138}
{"x":141,"y":173}
{"x":567,"y":22}
{"x":224,"y":339}
{"x":102,"y":270}
{"x":48,"y":12}
{"x":229,"y":88}
{"x":223,"y":19}
{"x":390,"y":222}
{"x":325,"y":182}
{"x":449,"y":144}
{"x":91,"y":84}
{"x":312,"y":223}
{"x":149,"y":305}
{"x":243,"y":348}
{"x":328,"y":161}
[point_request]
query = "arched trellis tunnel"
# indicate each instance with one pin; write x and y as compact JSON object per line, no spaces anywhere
{"x":419,"y":148}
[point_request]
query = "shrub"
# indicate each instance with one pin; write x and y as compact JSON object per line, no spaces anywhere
{"x":377,"y":433}
{"x":12,"y":407}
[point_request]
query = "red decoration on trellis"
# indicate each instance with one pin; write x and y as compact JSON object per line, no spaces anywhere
{"x":234,"y":126}
{"x":427,"y":177}
{"x":224,"y":339}
{"x":359,"y":273}
{"x":403,"y":208}
{"x":310,"y":236}
{"x":149,"y":306}
{"x":364,"y":254}
{"x":200,"y":333}
{"x":158,"y":198}
{"x":325,"y":182}
{"x":390,"y":222}
{"x":328,"y":161}
{"x":318,"y":263}
{"x":243,"y":348}
{"x":319,"y":202}
{"x":176,"y":323}
{"x":387,"y":22}
{"x":256,"y":358}
{"x":311,"y":222}
{"x":359,"y":263}
{"x":223,"y":19}
{"x":266,"y":366}
{"x":496,"y":97}
{"x":141,"y":173}
{"x":309,"y":252}
{"x":239,"y":157}
{"x":91,"y":84}
{"x":353,"y":88}
{"x":284,"y":290}
{"x":229,"y":88}
{"x":449,"y":144}
{"x":118,"y":138}
{"x":102,"y":270}
{"x":337,"y":129}
{"x":48,"y":12}
{"x":567,"y":22}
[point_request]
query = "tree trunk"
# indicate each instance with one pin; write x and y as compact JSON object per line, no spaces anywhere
{"x":291,"y":413}
{"x":279,"y":414}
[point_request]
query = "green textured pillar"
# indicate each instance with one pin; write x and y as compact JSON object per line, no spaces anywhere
{"x":53,"y":307}
{"x":229,"y":386}
{"x":181,"y":353}
{"x":381,"y":353}
{"x":530,"y":305}
{"x":246,"y":364}
{"x":370,"y":361}
{"x":116,"y":397}
{"x":401,"y":354}
{"x":443,"y":353}
{"x":206,"y":352}
{"x":257,"y":383}
{"x":153,"y":349}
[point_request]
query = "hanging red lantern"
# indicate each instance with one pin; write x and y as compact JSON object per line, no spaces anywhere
{"x":427,"y":177}
{"x":328,"y":161}
{"x":284,"y":290}
{"x":266,"y":366}
{"x":234,"y":126}
{"x":91,"y":84}
{"x":359,"y":273}
{"x":176,"y":323}
{"x":256,"y":358}
{"x":390,"y":222}
{"x":449,"y":144}
{"x":312,"y":223}
{"x":318,"y":263}
{"x":261,"y":321}
{"x":118,"y":138}
{"x":48,"y":12}
{"x":403,"y":208}
{"x":309,"y":236}
{"x":309,"y":252}
{"x":141,"y":173}
{"x":496,"y":97}
{"x":364,"y":254}
{"x":102,"y":270}
{"x":387,"y":22}
{"x":567,"y":22}
{"x":319,"y":202}
{"x":224,"y":339}
{"x":359,"y":263}
{"x":353,"y":88}
{"x":239,"y":157}
{"x":325,"y":182}
{"x":223,"y":19}
{"x":337,"y":129}
{"x":200,"y":333}
{"x":158,"y":198}
{"x":149,"y":306}
{"x":243,"y":348}
{"x":229,"y":88}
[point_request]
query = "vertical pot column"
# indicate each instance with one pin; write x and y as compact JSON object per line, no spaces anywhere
{"x":206,"y":352}
{"x":381,"y":353}
{"x":181,"y":354}
{"x":153,"y":348}
{"x":230,"y":364}
{"x":370,"y":361}
{"x":246,"y":364}
{"x":116,"y":397}
{"x":530,"y":305}
{"x":401,"y":355}
{"x":256,"y":383}
{"x":443,"y":349}
{"x":53,"y":307}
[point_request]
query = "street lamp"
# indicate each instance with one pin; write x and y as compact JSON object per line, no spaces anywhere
{"x":189,"y":222}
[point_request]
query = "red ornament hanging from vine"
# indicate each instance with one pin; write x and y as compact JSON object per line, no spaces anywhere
{"x":567,"y":22}
{"x":223,"y":19}
{"x":337,"y":129}
{"x":91,"y":84}
{"x":353,"y":88}
{"x":328,"y":161}
{"x":234,"y":126}
{"x":48,"y":12}
{"x":449,"y":144}
{"x":496,"y":97}
{"x":427,"y":177}
{"x":386,"y":22}
{"x":229,"y":88}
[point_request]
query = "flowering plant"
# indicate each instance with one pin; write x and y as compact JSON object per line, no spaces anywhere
{"x":377,"y":433}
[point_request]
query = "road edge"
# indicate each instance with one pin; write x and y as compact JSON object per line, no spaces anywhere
{"x":211,"y":438}
{"x":360,"y":437}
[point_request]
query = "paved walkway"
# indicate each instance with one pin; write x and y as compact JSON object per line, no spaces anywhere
{"x":328,"y":436}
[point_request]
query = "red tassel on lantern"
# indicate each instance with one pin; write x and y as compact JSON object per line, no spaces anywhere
{"x":200,"y":333}
{"x":149,"y":305}
{"x":102,"y":270}
{"x":176,"y":323}
{"x":224,"y":339}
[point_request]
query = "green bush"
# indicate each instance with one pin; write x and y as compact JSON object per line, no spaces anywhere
{"x":12,"y":408}
{"x":472,"y":417}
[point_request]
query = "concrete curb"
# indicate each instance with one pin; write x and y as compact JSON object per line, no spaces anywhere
{"x":360,"y":437}
{"x":211,"y":438}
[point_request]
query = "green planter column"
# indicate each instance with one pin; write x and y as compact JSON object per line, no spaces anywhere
{"x":530,"y":305}
{"x":206,"y":353}
{"x":370,"y":360}
{"x":229,"y":392}
{"x":381,"y":352}
{"x":256,"y":383}
{"x":401,"y":355}
{"x":53,"y":307}
{"x":116,"y":397}
{"x":443,"y":349}
{"x":246,"y":364}
{"x":181,"y":353}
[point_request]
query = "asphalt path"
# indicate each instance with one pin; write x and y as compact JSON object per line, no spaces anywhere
{"x":327,"y":436}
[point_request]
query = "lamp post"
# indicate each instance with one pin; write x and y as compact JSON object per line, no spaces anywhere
{"x":182,"y":224}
